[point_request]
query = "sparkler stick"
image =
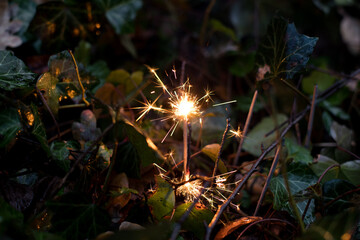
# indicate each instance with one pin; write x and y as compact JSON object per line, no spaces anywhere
{"x":186,"y":139}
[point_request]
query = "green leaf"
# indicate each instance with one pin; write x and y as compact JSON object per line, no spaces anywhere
{"x":13,"y":72}
{"x":104,"y":155}
{"x":145,"y":148}
{"x":333,"y":189}
{"x":351,"y":170}
{"x":119,"y":76}
{"x":243,"y":104}
{"x":321,"y":164}
{"x":343,"y":137}
{"x":242,"y":64}
{"x":9,"y":216}
{"x":212,"y":151}
{"x":322,"y":80}
{"x":47,"y":84}
{"x":39,"y":131}
{"x":127,"y":160}
{"x":10,"y":125}
{"x":38,"y":235}
{"x":198,"y":217}
{"x":100,"y":71}
{"x":162,"y":201}
{"x":121,"y":14}
{"x":256,"y":136}
{"x":335,"y":111}
{"x":75,"y":217}
{"x":300,"y":177}
{"x":122,"y":191}
{"x":125,"y":79}
{"x":60,"y":154}
{"x":82,"y":52}
{"x":297,"y":152}
{"x":160,"y":231}
{"x":339,"y":226}
{"x":218,"y":26}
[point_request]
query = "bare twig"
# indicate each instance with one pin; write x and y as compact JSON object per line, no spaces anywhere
{"x":246,"y":127}
{"x":205,"y":22}
{"x":311,"y":118}
{"x":221,"y":148}
{"x":265,"y":220}
{"x":223,"y":206}
{"x":79,"y":80}
{"x":177,"y":226}
{"x":271,"y":172}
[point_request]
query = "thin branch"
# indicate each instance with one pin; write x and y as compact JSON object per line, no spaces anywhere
{"x":246,"y":127}
{"x":223,"y":206}
{"x":265,"y":220}
{"x":79,"y":80}
{"x":311,"y":118}
{"x":221,"y":148}
{"x":271,"y":172}
{"x":205,"y":21}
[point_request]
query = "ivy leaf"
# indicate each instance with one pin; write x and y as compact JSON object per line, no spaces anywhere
{"x":255,"y":138}
{"x":13,"y":72}
{"x":351,"y":170}
{"x":299,"y":47}
{"x":333,"y":189}
{"x":343,"y":137}
{"x":198,"y":216}
{"x":47,"y":83}
{"x":162,"y":201}
{"x":297,"y":152}
{"x":75,"y":217}
{"x":160,"y":231}
{"x":121,"y":14}
{"x":300,"y":177}
{"x":60,"y":154}
{"x":212,"y":151}
{"x":284,"y":49}
{"x":321,"y":164}
{"x":10,"y":125}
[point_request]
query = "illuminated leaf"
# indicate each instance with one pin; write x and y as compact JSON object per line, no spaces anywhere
{"x":10,"y":125}
{"x":13,"y":72}
{"x":212,"y":151}
{"x":198,"y":217}
{"x":162,"y":201}
{"x":47,"y":84}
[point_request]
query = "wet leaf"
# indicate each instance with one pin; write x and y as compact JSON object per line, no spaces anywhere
{"x":300,"y":177}
{"x":121,"y":14}
{"x":198,"y":217}
{"x":75,"y":217}
{"x":47,"y":84}
{"x":13,"y":72}
{"x":162,"y":201}
{"x":212,"y":151}
{"x":338,"y":226}
{"x":10,"y":125}
{"x":256,"y":136}
{"x":60,"y":154}
{"x":232,"y":226}
{"x":297,"y":152}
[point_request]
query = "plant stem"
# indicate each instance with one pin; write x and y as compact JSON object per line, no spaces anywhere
{"x":186,"y":140}
{"x":79,"y":80}
{"x":271,"y":172}
{"x":311,"y":118}
{"x":221,"y":148}
{"x":246,"y":127}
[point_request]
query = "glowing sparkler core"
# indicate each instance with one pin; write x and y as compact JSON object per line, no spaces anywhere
{"x":185,"y":107}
